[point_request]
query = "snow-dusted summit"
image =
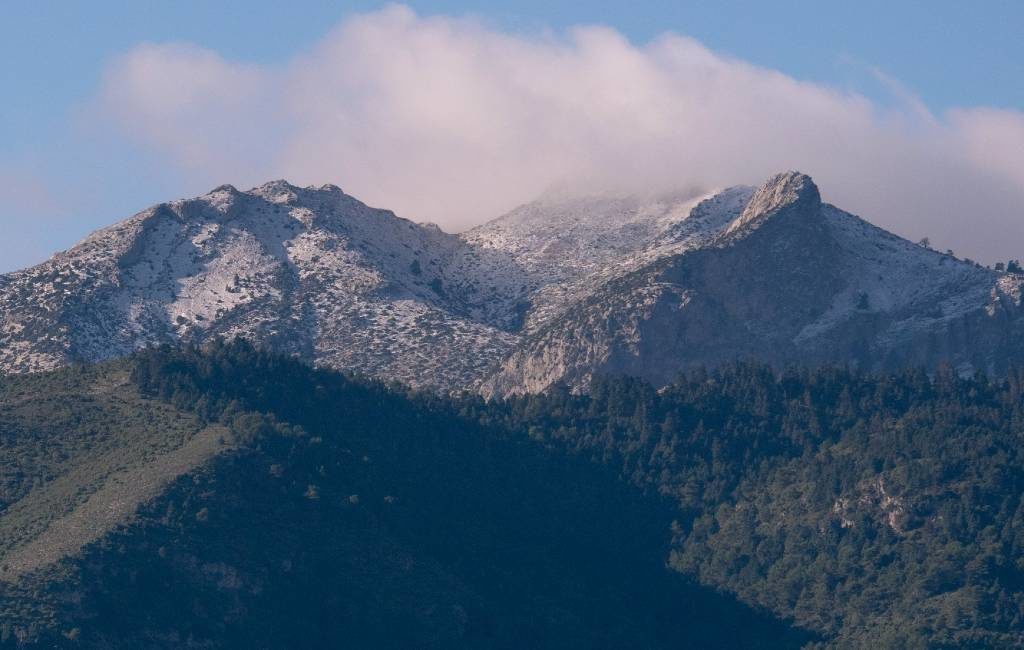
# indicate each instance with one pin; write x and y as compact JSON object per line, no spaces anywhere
{"x":567,"y":247}
{"x":558,"y":290}
{"x":789,"y":280}
{"x":311,"y":271}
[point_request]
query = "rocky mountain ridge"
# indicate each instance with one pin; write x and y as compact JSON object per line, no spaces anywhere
{"x":556,"y":291}
{"x":311,"y":271}
{"x":791,"y":280}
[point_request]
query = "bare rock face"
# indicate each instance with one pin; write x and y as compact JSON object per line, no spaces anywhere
{"x":557,"y":291}
{"x":789,"y":281}
{"x":793,"y":192}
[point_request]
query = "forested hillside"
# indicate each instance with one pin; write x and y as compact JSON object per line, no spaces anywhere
{"x":865,"y":510}
{"x":879,"y":510}
{"x":343,"y":513}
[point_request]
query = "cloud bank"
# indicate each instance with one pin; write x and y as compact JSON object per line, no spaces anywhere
{"x":454,"y":121}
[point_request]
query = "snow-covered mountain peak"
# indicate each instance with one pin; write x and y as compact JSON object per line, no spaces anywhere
{"x":282,"y":207}
{"x":310,"y":271}
{"x":279,"y":191}
{"x":707,"y":218}
{"x":781,"y":192}
{"x":568,"y":245}
{"x":561,"y":289}
{"x":558,"y":233}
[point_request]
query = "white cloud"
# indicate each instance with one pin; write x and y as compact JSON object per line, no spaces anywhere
{"x":211,"y":115}
{"x":454,"y":121}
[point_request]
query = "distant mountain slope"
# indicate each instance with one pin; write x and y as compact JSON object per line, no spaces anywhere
{"x":789,"y":281}
{"x":568,"y":247}
{"x":559,"y":290}
{"x":308,"y":271}
{"x":316,"y":273}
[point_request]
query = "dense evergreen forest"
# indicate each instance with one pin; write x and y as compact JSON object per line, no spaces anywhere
{"x":344,"y":513}
{"x":737,"y":508}
{"x":878,"y":510}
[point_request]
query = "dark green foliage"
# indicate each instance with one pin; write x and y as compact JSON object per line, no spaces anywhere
{"x":437,"y":287}
{"x":866,"y":507}
{"x":876,"y":510}
{"x":357,"y":516}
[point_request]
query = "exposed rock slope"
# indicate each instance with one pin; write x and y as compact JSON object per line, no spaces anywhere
{"x":790,"y":280}
{"x":558,"y":290}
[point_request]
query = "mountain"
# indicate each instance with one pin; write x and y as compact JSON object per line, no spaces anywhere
{"x":311,"y":272}
{"x":880,"y":510}
{"x":567,"y":247}
{"x":789,"y":280}
{"x":560,"y":290}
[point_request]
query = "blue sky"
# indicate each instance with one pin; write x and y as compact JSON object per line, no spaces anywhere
{"x":73,"y":170}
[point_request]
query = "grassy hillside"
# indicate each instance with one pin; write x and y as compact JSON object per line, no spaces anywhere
{"x":84,"y":439}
